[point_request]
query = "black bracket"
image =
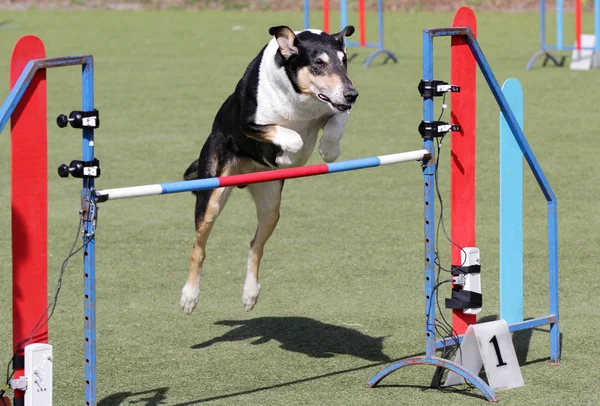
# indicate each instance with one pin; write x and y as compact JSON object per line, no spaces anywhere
{"x":461,"y":298}
{"x":431,"y":129}
{"x":461,"y":270}
{"x":433,"y":88}
{"x":464,"y":299}
{"x":80,"y":119}
{"x":80,"y":169}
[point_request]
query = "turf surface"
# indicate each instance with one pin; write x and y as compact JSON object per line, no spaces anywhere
{"x":342,"y":276}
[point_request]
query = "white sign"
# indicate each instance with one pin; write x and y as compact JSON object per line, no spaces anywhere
{"x":584,"y":58}
{"x":489,"y":345}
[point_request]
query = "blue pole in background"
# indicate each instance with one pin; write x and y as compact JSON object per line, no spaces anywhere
{"x":343,"y":14}
{"x":511,"y":209}
{"x":380,"y":21}
{"x":542,"y":24}
{"x":559,"y":25}
{"x":306,"y":14}
{"x":597,"y":25}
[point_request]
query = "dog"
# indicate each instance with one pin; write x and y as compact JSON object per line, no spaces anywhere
{"x":297,"y":85}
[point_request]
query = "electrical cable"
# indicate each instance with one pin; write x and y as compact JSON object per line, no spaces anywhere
{"x":443,"y":325}
{"x":43,"y":320}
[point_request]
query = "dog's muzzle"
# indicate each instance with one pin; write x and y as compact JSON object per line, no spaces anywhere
{"x":350,"y":94}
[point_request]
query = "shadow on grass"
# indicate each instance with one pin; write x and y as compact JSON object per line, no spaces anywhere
{"x":296,"y":382}
{"x":303,"y":335}
{"x":469,"y":392}
{"x":315,"y":339}
{"x":151,"y":397}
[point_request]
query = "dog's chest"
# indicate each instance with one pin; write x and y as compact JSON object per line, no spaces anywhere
{"x":307,"y":129}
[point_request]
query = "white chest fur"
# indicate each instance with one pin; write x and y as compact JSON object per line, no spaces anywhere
{"x":279,"y":104}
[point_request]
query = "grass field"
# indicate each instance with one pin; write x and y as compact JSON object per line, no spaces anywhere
{"x":341,"y":279}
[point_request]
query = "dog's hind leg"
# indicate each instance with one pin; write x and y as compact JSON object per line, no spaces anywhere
{"x":209,"y":204}
{"x":267,"y":197}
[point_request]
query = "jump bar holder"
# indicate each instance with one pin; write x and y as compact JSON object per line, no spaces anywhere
{"x":80,"y":169}
{"x":431,"y":129}
{"x":80,"y":119}
{"x":436,"y":88}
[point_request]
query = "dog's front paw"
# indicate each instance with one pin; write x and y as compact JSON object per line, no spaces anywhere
{"x":250,"y":295}
{"x":288,"y":140}
{"x":333,"y":130}
{"x":329,"y":150}
{"x":189,"y":297}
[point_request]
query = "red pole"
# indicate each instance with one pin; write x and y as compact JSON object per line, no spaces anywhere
{"x":462,"y":145}
{"x":29,"y":200}
{"x":362,"y":26}
{"x":326,"y":16}
{"x":578,"y":25}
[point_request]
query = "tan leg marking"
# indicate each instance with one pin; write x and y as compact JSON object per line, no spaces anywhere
{"x":267,"y":197}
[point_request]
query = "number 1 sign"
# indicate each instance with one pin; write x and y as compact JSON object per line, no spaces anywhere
{"x":489,"y":345}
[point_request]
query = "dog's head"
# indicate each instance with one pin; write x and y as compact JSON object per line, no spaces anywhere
{"x":316,"y":64}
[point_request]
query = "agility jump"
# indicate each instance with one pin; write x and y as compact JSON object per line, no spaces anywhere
{"x":465,"y":53}
{"x":20,"y":102}
{"x":362,"y":27}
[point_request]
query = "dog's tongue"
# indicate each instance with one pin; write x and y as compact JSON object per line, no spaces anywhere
{"x":323,"y":97}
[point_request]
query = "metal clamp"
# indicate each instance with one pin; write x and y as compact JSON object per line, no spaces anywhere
{"x":80,"y":169}
{"x":433,"y":88}
{"x":80,"y":119}
{"x":19,"y":384}
{"x":430,"y":129}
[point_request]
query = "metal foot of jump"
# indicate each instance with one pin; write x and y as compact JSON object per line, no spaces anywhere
{"x":547,"y":56}
{"x":441,"y":363}
{"x":390,"y":55}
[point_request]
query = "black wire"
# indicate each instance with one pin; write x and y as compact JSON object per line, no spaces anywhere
{"x":43,"y":320}
{"x":443,"y":325}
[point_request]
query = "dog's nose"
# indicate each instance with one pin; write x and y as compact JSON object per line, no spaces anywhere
{"x":350,"y":94}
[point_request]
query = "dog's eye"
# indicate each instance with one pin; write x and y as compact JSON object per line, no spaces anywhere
{"x":320,"y":62}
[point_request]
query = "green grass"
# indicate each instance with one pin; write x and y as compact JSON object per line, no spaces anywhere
{"x":342,"y":276}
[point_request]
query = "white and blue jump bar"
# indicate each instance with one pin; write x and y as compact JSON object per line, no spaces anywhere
{"x":257,"y":177}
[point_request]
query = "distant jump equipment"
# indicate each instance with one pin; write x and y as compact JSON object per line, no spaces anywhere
{"x":586,"y":51}
{"x":362,"y":27}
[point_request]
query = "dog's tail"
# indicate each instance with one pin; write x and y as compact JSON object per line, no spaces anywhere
{"x":191,"y":172}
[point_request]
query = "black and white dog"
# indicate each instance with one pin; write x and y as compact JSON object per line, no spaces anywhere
{"x":297,"y":85}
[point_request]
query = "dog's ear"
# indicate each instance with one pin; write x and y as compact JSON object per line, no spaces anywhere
{"x":346,"y":32}
{"x":285,"y":38}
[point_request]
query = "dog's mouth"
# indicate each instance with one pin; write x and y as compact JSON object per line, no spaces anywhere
{"x":340,"y":107}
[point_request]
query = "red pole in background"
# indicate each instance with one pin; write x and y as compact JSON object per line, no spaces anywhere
{"x":362,"y":26}
{"x":578,"y":25}
{"x":326,"y":16}
{"x":462,"y":156}
{"x":29,"y":201}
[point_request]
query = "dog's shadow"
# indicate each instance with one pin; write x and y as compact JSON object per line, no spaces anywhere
{"x":303,"y":335}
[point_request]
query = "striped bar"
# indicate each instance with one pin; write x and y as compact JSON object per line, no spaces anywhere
{"x":511,"y":209}
{"x":257,"y":177}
